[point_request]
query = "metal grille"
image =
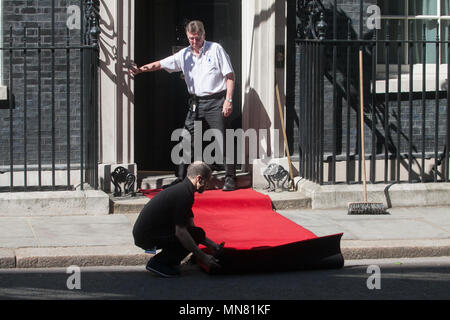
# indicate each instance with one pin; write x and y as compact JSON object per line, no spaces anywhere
{"x":406,"y":111}
{"x":49,"y":121}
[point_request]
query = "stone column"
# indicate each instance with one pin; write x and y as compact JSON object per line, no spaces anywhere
{"x":263,"y":28}
{"x":116,"y":115}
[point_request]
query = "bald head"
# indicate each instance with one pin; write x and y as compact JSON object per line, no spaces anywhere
{"x":199,"y":168}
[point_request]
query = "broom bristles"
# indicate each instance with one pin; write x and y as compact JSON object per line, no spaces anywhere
{"x":366,"y":208}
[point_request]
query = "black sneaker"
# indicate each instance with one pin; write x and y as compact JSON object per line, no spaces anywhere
{"x":229,"y":185}
{"x":162,"y":269}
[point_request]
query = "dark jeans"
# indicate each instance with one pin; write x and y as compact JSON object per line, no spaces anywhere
{"x":209,"y":112}
{"x":173,"y":251}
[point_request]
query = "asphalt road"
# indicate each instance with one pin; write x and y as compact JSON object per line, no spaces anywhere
{"x":376,"y":279}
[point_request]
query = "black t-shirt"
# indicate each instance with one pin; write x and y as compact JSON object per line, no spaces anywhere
{"x":170,"y":207}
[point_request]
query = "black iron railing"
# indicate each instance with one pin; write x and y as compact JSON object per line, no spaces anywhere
{"x":406,"y":105}
{"x":49,"y":135}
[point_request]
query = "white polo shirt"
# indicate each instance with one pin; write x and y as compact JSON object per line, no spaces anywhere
{"x":204,"y":74}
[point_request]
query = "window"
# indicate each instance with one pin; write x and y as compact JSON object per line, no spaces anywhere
{"x":416,"y":20}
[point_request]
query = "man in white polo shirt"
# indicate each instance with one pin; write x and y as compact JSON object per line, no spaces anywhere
{"x":210,"y":81}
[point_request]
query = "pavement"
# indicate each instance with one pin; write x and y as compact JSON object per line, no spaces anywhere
{"x":44,"y":241}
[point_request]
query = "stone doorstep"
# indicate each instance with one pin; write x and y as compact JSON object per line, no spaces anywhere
{"x":287,"y":200}
{"x":313,"y":196}
{"x":88,"y":202}
{"x":310,"y":196}
{"x":280,"y":201}
{"x":400,"y":195}
{"x":127,"y":205}
{"x":243,"y":180}
{"x":133,"y":256}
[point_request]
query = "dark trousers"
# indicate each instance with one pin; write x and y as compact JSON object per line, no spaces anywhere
{"x":209,"y":112}
{"x":173,"y":251}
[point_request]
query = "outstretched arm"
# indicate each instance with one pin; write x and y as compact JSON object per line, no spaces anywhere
{"x":149,"y":67}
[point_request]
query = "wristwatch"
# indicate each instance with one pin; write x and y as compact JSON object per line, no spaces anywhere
{"x":230,"y":100}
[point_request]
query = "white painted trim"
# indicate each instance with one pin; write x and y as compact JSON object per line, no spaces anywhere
{"x":259,"y":105}
{"x":116,"y":105}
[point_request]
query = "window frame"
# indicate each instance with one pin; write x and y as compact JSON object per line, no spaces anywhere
{"x":430,"y":73}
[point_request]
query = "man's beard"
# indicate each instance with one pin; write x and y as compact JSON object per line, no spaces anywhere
{"x":201,"y":189}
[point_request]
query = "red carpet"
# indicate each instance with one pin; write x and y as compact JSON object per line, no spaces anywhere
{"x":256,"y":237}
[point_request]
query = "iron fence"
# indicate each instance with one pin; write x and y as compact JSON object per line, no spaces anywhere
{"x":406,"y":100}
{"x":49,"y":119}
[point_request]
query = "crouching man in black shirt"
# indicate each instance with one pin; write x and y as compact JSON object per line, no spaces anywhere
{"x":167,"y":222}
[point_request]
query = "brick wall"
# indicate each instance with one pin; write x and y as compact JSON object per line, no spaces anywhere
{"x":25,"y":17}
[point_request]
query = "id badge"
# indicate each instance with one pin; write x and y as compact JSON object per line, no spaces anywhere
{"x":193,"y":104}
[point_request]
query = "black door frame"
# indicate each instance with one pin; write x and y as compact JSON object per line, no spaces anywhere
{"x":152,"y":90}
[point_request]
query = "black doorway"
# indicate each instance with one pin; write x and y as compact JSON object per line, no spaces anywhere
{"x":160,"y":97}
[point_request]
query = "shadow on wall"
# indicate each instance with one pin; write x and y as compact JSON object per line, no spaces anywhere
{"x":254,"y":116}
{"x":115,"y":54}
{"x":115,"y":62}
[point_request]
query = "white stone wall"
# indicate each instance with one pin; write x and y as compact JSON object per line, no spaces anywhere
{"x":116,"y":88}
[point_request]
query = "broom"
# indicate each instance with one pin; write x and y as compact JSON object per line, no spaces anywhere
{"x":364,"y":207}
{"x":291,"y":171}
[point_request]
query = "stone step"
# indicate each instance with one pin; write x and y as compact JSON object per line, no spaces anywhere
{"x":243,"y":180}
{"x":280,"y":201}
{"x":128,"y":205}
{"x":55,"y":203}
{"x":288,"y":200}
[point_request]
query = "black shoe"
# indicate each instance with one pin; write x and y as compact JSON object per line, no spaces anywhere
{"x":219,"y":252}
{"x":229,"y":185}
{"x":162,"y":269}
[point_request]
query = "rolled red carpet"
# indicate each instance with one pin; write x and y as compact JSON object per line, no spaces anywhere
{"x":258,"y":239}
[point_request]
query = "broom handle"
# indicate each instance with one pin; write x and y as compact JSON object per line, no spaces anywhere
{"x":291,"y":173}
{"x":363,"y":151}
